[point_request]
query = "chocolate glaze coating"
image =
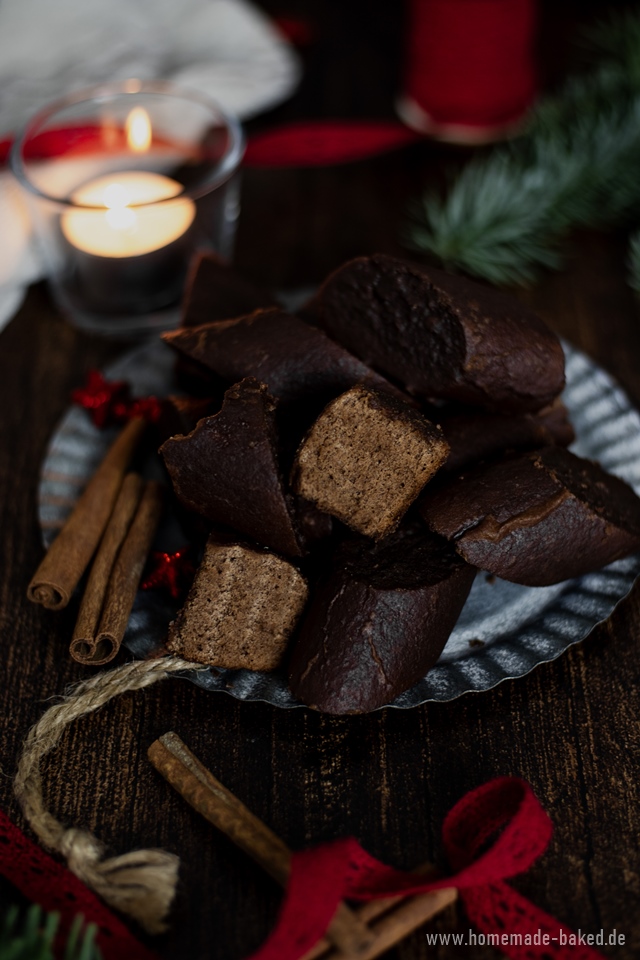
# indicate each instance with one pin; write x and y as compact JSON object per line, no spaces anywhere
{"x":440,"y":335}
{"x":476,"y":435}
{"x":539,"y":518}
{"x":379,"y":623}
{"x":215,"y":291}
{"x":297,"y":362}
{"x":227,"y":469}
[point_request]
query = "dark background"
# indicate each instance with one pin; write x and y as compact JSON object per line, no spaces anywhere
{"x":570,"y":727}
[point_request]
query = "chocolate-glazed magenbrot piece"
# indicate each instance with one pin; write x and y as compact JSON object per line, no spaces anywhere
{"x":366,"y":459}
{"x":441,"y":335}
{"x":379,"y":623}
{"x":537,"y":519}
{"x":241,"y":610}
{"x":227,"y":469}
{"x":297,"y":362}
{"x":476,"y":435}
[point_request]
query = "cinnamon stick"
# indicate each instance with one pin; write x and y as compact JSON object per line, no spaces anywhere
{"x":212,"y":800}
{"x":390,"y":920}
{"x":84,"y":646}
{"x":70,"y":553}
{"x":126,"y":572}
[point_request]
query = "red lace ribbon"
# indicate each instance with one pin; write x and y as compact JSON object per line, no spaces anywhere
{"x":323,"y":876}
{"x":45,"y":881}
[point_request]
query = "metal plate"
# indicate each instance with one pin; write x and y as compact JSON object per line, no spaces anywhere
{"x":504,"y":630}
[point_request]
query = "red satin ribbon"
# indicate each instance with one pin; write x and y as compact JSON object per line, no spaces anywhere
{"x":323,"y":876}
{"x":46,"y":882}
{"x":324,"y":142}
{"x":305,"y":144}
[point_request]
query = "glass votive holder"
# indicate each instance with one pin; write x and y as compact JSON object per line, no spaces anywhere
{"x":126,"y":182}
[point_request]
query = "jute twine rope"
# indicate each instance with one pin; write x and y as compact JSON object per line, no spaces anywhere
{"x":140,"y":884}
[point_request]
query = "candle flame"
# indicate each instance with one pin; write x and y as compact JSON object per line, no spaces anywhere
{"x":138,"y":130}
{"x":119,"y":215}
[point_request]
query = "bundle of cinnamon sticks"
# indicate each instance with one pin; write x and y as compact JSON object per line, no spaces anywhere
{"x":113,"y":523}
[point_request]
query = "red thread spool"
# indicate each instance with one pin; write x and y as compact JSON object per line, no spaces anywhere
{"x":470,"y":73}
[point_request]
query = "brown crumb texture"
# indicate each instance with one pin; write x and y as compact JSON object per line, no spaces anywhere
{"x":241,"y":610}
{"x":366,"y":459}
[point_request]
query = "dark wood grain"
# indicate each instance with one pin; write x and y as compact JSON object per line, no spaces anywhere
{"x":571,"y":727}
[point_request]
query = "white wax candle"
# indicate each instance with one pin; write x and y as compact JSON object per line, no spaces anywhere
{"x":122,"y":229}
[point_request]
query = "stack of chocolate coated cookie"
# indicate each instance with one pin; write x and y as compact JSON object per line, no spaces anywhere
{"x":367,"y":457}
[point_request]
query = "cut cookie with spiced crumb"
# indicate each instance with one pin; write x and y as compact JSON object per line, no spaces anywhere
{"x":241,"y":609}
{"x":366,"y":459}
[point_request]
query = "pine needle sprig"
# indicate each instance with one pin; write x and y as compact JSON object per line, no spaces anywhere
{"x":504,"y":216}
{"x":615,"y":41}
{"x":32,"y":938}
{"x":491,"y":221}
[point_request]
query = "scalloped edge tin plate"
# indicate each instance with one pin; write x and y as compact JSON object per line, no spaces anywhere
{"x":504,"y":630}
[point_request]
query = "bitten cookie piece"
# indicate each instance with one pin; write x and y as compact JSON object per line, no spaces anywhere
{"x":241,"y":609}
{"x":441,"y":335}
{"x":539,"y":518}
{"x":366,"y":459}
{"x":297,"y":362}
{"x":179,"y":415}
{"x":379,"y":623}
{"x":227,"y":469}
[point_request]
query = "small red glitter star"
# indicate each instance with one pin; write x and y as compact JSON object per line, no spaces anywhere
{"x":109,"y":401}
{"x":99,"y":397}
{"x":172,"y":572}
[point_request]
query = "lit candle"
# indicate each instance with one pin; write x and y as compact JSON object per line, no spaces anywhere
{"x":122,"y":228}
{"x":126,"y":234}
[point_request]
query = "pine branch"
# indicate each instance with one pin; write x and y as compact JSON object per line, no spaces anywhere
{"x":505,"y":215}
{"x":615,"y":41}
{"x":33,"y":938}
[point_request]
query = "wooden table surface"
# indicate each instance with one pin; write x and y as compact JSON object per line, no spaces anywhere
{"x":570,"y":727}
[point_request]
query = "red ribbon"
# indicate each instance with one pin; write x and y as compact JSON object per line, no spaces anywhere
{"x":46,"y":882}
{"x":321,"y":143}
{"x":323,"y":876}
